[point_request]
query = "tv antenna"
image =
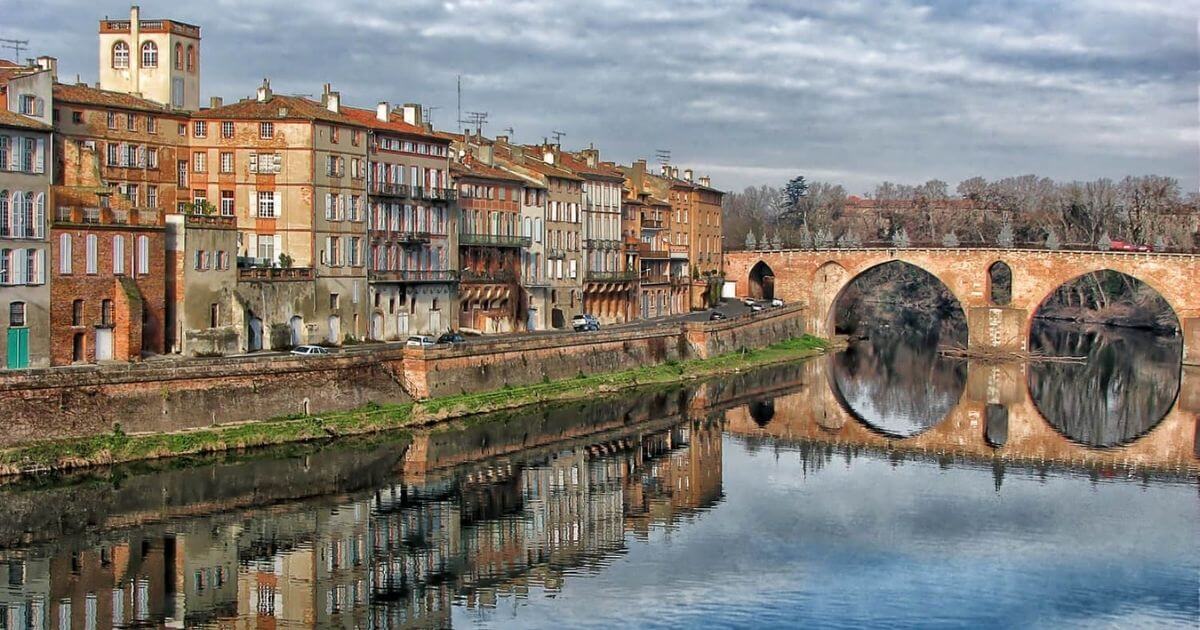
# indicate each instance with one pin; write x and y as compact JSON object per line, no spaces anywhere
{"x":663,"y":156}
{"x":428,"y":113}
{"x":477,"y":120}
{"x":509,"y":131}
{"x":460,"y":118}
{"x":558,"y":136}
{"x":17,"y":45}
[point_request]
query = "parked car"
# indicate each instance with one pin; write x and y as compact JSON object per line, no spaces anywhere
{"x":756,"y":307}
{"x":309,"y":351}
{"x":585,"y":322}
{"x":748,"y":301}
{"x":420,"y":341}
{"x":716,"y":316}
{"x":776,"y":302}
{"x":451,"y":337}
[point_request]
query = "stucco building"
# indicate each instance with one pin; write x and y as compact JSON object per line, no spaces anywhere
{"x":412,"y":223}
{"x":156,"y":59}
{"x":564,"y":233}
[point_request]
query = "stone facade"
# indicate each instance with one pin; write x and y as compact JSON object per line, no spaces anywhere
{"x":201,"y":279}
{"x":817,"y":278}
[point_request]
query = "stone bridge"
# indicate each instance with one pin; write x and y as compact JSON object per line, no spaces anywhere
{"x":817,"y":277}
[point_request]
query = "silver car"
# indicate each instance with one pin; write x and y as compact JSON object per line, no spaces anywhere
{"x":309,"y":351}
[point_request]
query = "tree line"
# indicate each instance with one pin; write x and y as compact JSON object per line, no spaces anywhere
{"x":1148,"y":210}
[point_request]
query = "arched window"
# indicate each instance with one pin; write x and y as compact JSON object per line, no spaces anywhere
{"x":143,"y":255}
{"x":120,"y":55}
{"x":1000,"y":283}
{"x":178,"y":56}
{"x":191,"y":58}
{"x":5,"y":221}
{"x":149,"y":55}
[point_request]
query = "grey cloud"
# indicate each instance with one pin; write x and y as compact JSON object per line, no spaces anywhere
{"x":753,"y":89}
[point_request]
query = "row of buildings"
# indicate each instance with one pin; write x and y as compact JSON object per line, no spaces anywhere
{"x":137,"y":222}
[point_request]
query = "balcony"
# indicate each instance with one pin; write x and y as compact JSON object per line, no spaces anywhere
{"x":601,"y":244}
{"x":679,"y":252}
{"x":283,"y":274}
{"x":414,"y":275}
{"x":385,"y":189}
{"x":471,"y":276}
{"x":535,"y":283}
{"x":553,"y":253}
{"x":647,"y":251}
{"x":494,"y":240}
{"x":108,"y":216}
{"x":651,"y":224}
{"x":655,"y":278}
{"x":435,"y":194}
{"x":611,"y":276}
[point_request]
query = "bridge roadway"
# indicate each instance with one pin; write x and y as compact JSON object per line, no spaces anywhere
{"x":817,"y":277}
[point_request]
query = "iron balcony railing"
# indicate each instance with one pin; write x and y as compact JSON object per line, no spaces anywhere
{"x":494,"y":240}
{"x":611,"y":276}
{"x":647,"y":251}
{"x":413,"y":275}
{"x":598,"y":244}
{"x":388,"y":189}
{"x":490,"y":277}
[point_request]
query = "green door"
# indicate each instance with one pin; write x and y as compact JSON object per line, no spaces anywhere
{"x":18,"y":348}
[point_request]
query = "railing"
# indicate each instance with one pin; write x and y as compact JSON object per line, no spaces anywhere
{"x":600,"y":244}
{"x":651,"y":224}
{"x":390,"y":190}
{"x":91,"y":215}
{"x":491,"y":277}
{"x":535,"y":282}
{"x":107,"y":216}
{"x":276,"y":273}
{"x":655,"y":278}
{"x":120,"y":217}
{"x":647,"y":251}
{"x":679,"y":252}
{"x":495,"y":240}
{"x":414,"y":275}
{"x":991,"y":245}
{"x":210,"y":221}
{"x":553,"y":253}
{"x":610,"y":276}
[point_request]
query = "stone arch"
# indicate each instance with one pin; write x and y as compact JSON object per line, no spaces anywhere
{"x":827,"y":284}
{"x":762,"y":281}
{"x":833,"y":290}
{"x":1036,"y":307}
{"x":999,"y":283}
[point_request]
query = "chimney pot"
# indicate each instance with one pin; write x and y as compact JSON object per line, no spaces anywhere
{"x":687,"y":174}
{"x":46,"y":62}
{"x":264,"y":91}
{"x":333,"y":102}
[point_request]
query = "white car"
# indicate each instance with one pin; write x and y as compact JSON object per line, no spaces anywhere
{"x":309,"y":351}
{"x":777,"y":302}
{"x":421,"y":341}
{"x":755,"y":308}
{"x":748,"y":301}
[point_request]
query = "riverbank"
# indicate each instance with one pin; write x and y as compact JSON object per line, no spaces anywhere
{"x":117,"y":446}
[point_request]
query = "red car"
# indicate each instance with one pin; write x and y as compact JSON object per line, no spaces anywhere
{"x":1122,"y":246}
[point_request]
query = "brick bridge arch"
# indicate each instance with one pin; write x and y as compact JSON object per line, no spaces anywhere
{"x":817,"y":278}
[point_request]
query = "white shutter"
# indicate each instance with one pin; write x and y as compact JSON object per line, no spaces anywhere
{"x":328,"y":206}
{"x":327,"y":255}
{"x":277,"y":245}
{"x":277,"y":162}
{"x":278,"y":203}
{"x":253,"y":162}
{"x":342,"y":254}
{"x":253,"y":205}
{"x":64,"y":254}
{"x":41,"y":267}
{"x":252,"y":243}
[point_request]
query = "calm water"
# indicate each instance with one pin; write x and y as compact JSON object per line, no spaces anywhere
{"x":758,"y":501}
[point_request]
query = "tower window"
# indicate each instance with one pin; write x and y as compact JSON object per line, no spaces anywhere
{"x":120,"y":55}
{"x":149,"y":55}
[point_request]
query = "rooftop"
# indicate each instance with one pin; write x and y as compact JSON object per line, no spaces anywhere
{"x":11,"y":119}
{"x":87,"y":95}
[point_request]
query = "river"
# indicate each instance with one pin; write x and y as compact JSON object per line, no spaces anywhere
{"x":847,"y":491}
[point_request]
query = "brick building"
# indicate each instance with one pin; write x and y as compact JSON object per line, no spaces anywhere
{"x":564,"y":233}
{"x":412,"y":224}
{"x":489,"y":245}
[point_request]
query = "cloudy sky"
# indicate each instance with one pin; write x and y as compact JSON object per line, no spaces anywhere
{"x":750,"y":91}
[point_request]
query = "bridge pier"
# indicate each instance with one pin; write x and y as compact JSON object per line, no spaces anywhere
{"x":1191,"y":340}
{"x":997,"y":327}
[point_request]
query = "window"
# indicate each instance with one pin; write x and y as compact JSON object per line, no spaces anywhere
{"x":151,"y":196}
{"x":16,"y":314}
{"x":227,"y":129}
{"x":227,"y":206}
{"x":178,"y":56}
{"x":266,"y":205}
{"x":143,"y":255}
{"x":118,"y":260}
{"x":130,"y":122}
{"x":91,"y":254}
{"x":151,"y":124}
{"x":191,"y":58}
{"x":214,"y":315}
{"x":77,"y":313}
{"x":149,"y":55}
{"x":226,"y":161}
{"x":266,"y":130}
{"x":152,"y":157}
{"x":200,"y":260}
{"x":120,"y":55}
{"x":334,"y":134}
{"x":200,"y":129}
{"x":106,"y":313}
{"x":77,"y":118}
{"x":333,"y":301}
{"x":199,"y":200}
{"x":64,"y":254}
{"x":200,"y":161}
{"x":112,"y":120}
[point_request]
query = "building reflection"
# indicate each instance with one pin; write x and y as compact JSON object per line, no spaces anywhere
{"x":398,"y":556}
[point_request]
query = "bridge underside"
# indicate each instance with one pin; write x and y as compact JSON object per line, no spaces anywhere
{"x":818,"y":277}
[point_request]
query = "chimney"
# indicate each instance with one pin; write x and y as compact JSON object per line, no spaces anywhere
{"x":666,"y":170}
{"x":412,"y":114}
{"x":215,"y":102}
{"x":591,"y":156}
{"x":381,"y":111}
{"x":485,"y":154}
{"x":706,"y":182}
{"x":675,"y":172}
{"x":501,"y":139}
{"x":49,"y":63}
{"x":331,"y":100}
{"x":687,"y":174}
{"x":264,"y":91}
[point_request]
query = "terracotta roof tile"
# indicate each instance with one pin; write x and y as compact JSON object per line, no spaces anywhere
{"x":296,"y":107}
{"x":474,"y":168}
{"x":395,"y":123}
{"x":85,"y":95}
{"x":10,"y":119}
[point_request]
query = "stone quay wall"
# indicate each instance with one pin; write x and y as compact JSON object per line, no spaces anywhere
{"x":175,"y":395}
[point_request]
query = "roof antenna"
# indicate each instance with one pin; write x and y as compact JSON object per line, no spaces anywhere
{"x":17,"y":45}
{"x":663,"y":156}
{"x":558,"y":136}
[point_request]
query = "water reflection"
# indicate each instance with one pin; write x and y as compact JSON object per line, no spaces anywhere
{"x":896,"y":381}
{"x":1127,"y":385}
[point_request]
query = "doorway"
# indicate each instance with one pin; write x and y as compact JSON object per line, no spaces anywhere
{"x":104,"y":344}
{"x":18,"y":348}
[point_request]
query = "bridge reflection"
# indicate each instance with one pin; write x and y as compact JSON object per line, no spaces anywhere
{"x":995,"y":418}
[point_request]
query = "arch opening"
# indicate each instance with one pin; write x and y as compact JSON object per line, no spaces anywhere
{"x":892,"y":377}
{"x":762,"y":281}
{"x":1128,"y":378}
{"x":1000,"y":283}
